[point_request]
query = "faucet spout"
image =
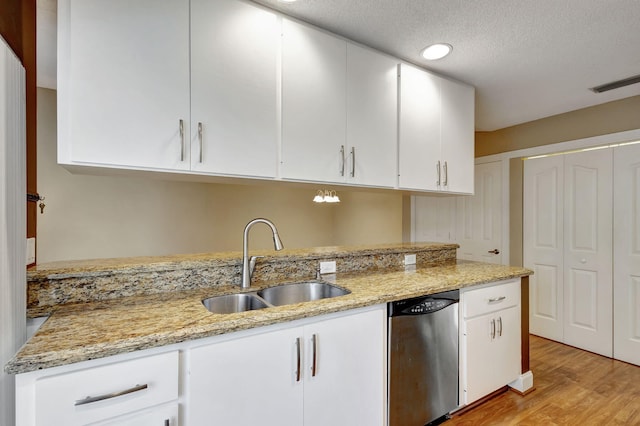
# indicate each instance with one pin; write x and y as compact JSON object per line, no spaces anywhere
{"x":247,"y":265}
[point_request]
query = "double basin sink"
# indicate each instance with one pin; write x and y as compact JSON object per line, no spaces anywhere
{"x":285,"y":294}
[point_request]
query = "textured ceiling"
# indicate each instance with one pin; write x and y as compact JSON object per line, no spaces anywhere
{"x":528,"y":59}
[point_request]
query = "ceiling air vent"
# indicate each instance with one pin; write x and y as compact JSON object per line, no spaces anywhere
{"x":616,"y":84}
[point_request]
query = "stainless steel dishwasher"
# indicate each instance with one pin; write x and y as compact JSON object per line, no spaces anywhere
{"x":423,"y":359}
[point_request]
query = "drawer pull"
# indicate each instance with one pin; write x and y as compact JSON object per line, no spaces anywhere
{"x":497,"y":299}
{"x":91,"y":399}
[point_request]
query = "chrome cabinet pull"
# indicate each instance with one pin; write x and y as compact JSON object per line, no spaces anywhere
{"x":438,"y":171}
{"x":497,"y":299}
{"x":167,"y":422}
{"x":181,"y":140}
{"x":314,"y":363}
{"x":342,"y":160}
{"x":92,"y":399}
{"x":500,"y":326}
{"x":493,"y":329}
{"x":446,"y":175}
{"x":353,"y":161}
{"x":200,"y":139}
{"x":298,"y":349}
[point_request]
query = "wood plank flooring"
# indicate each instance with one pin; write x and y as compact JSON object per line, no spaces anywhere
{"x":573,"y":387}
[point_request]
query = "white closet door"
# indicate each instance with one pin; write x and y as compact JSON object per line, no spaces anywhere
{"x":626,"y":344}
{"x":479,"y":220}
{"x":587,"y":251}
{"x":542,"y":241}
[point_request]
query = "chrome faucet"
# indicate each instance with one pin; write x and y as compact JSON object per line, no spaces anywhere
{"x":248,"y":265}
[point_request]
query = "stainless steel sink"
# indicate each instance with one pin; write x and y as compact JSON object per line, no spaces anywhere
{"x":287,"y":294}
{"x":232,"y":303}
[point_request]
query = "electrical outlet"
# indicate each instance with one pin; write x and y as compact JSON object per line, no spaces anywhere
{"x":31,"y":251}
{"x":328,"y":267}
{"x":409,"y":259}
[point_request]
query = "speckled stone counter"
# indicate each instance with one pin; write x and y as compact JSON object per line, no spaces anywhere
{"x":54,"y":284}
{"x":81,"y":331}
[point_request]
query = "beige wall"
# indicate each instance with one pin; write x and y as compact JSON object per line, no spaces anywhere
{"x":611,"y":117}
{"x":90,"y":216}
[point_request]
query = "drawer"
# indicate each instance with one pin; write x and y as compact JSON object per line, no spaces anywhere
{"x":490,"y":299}
{"x":117,"y":388}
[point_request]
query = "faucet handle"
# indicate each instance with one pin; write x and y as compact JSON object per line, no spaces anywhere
{"x":252,"y":263}
{"x":318,"y":275}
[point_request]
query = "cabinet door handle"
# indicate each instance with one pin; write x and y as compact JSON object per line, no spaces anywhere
{"x":353,"y":162}
{"x":314,"y":363}
{"x":497,"y":299}
{"x":493,"y":329}
{"x":181,"y":126}
{"x":91,"y":399}
{"x":500,"y":326}
{"x":167,"y":422}
{"x":438,"y":172}
{"x":494,"y":251}
{"x":446,"y":175}
{"x":298,"y":359}
{"x":200,"y":139}
{"x":341,"y":160}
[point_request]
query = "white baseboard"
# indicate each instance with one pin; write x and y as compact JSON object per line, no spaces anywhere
{"x":524,"y":383}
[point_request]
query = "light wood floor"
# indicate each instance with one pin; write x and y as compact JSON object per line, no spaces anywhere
{"x":573,"y":387}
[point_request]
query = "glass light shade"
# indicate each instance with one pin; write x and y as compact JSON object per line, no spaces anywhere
{"x":436,"y":51}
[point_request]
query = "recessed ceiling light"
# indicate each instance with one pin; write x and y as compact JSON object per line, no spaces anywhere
{"x":436,"y":51}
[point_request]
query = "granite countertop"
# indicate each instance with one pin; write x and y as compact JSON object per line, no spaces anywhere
{"x":82,"y":331}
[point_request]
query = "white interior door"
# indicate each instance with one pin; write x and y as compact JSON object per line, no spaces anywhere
{"x":479,"y":218}
{"x":543,"y":242}
{"x":434,"y":218}
{"x":587,"y":289}
{"x":626,"y":228}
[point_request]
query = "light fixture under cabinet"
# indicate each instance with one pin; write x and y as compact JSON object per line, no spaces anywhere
{"x":326,"y":196}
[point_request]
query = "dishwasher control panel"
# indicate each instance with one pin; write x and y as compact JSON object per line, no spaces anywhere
{"x":425,"y":304}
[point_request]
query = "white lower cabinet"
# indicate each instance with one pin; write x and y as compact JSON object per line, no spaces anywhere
{"x":141,"y":391}
{"x":326,"y":372}
{"x":490,"y":352}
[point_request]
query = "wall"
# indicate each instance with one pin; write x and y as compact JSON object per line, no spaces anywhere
{"x":604,"y":119}
{"x":90,"y":216}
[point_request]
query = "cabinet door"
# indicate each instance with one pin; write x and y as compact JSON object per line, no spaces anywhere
{"x":123,"y":83}
{"x":419,"y":129}
{"x":247,"y":381}
{"x":372,"y":111}
{"x":347,"y":385}
{"x":457,"y":137}
{"x":313,"y":104}
{"x":234,"y":53}
{"x":492,"y":352}
{"x":626,"y":271}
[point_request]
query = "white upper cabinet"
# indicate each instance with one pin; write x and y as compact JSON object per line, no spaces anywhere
{"x":313,"y":104}
{"x":457,"y":135}
{"x":123,"y":83}
{"x":436,"y":142}
{"x":234,"y":88}
{"x":231,"y":88}
{"x":372,"y":118}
